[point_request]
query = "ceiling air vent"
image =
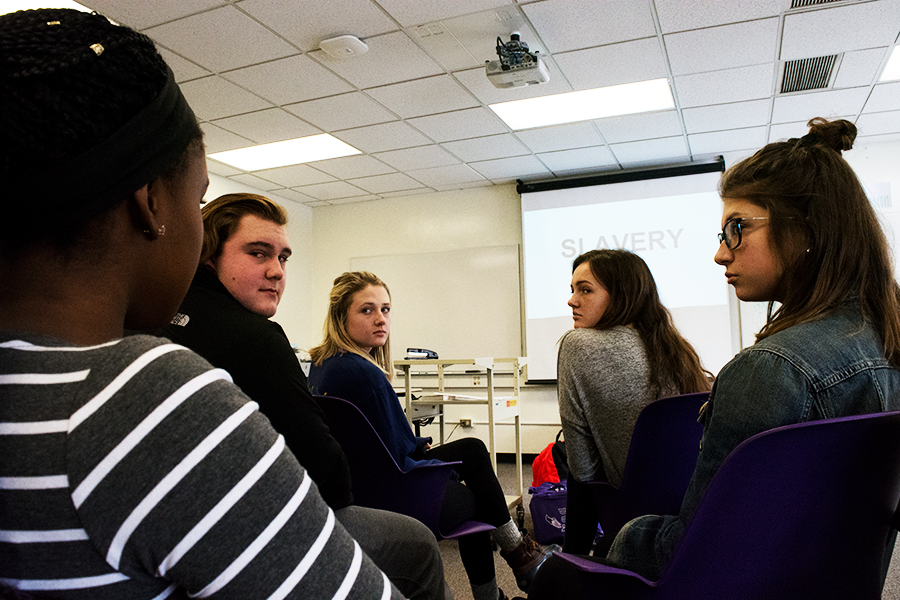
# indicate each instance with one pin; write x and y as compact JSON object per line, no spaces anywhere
{"x":807,"y":73}
{"x":802,"y":3}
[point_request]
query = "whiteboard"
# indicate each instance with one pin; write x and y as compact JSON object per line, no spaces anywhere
{"x":462,"y":303}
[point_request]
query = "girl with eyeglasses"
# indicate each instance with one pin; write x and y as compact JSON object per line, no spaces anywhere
{"x":623,"y":354}
{"x":798,"y":233}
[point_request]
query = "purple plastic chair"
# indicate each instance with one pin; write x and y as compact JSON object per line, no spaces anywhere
{"x":801,"y":511}
{"x":377,"y":480}
{"x":661,"y":460}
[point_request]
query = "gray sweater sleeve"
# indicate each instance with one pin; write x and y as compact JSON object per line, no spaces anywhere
{"x":603,"y":381}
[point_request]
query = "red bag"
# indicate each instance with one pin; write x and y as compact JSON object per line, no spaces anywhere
{"x":550,"y":465}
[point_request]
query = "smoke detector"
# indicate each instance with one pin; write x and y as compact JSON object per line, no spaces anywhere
{"x":343,"y":46}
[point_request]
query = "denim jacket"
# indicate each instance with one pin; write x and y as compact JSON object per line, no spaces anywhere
{"x":831,"y":367}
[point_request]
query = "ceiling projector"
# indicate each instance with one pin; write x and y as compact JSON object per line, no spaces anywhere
{"x":517,"y":66}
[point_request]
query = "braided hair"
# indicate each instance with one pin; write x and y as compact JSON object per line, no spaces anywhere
{"x":70,"y":79}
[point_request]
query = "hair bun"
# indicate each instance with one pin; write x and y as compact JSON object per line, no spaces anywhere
{"x":838,"y":135}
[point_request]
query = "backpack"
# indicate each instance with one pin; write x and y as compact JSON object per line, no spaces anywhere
{"x":551,"y":464}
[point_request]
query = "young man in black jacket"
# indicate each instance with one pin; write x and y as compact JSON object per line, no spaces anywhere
{"x":225,"y":319}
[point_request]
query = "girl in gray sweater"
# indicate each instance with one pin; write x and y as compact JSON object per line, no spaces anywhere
{"x":623,"y":354}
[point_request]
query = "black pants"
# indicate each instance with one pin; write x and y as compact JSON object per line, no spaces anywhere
{"x":581,"y":518}
{"x":480,"y":499}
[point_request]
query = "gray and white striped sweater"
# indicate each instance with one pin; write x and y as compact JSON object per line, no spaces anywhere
{"x":134,"y":469}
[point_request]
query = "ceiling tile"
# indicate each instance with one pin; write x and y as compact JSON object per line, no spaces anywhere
{"x":271,"y":125}
{"x":288,"y":80}
{"x":342,"y":112}
{"x":470,"y":40}
{"x":725,"y":47}
{"x":459,"y":125}
{"x":307,"y":23}
{"x":486,"y":148}
{"x":217,"y":168}
{"x":294,"y":176}
{"x":476,"y":81}
{"x":786,"y":131}
{"x":885,"y":96}
{"x":424,"y":96}
{"x":402,"y":193}
{"x":391,"y":182}
{"x":727,"y":116}
{"x":464,"y":185}
{"x":217,"y":139}
{"x":254,"y":182}
{"x":729,"y":157}
{"x":879,"y":123}
{"x":354,"y":199}
{"x":391,"y":58}
{"x":424,"y":11}
{"x":631,"y":153}
{"x":221,"y":39}
{"x":570,"y":24}
{"x":441,"y":177}
{"x":859,"y":68}
{"x":214,"y":98}
{"x":628,"y":62}
{"x":445,"y":47}
{"x":332,"y":191}
{"x":582,"y":158}
{"x":379,"y":138}
{"x":560,"y":137}
{"x":348,"y":167}
{"x":296,"y":196}
{"x":645,"y":126}
{"x":680,"y":15}
{"x":722,"y":141}
{"x":140,"y":15}
{"x":510,"y":169}
{"x":862,"y":141}
{"x":720,"y":87}
{"x":421,"y":157}
{"x":796,"y":107}
{"x":850,"y":26}
{"x":183,"y":69}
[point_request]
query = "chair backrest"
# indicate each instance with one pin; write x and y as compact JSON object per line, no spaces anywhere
{"x":661,"y":460}
{"x":801,"y":511}
{"x":377,"y":480}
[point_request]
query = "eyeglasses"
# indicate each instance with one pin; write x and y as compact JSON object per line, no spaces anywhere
{"x":731,"y":232}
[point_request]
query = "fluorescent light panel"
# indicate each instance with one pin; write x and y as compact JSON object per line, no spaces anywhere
{"x":288,"y":152}
{"x":892,"y":68}
{"x":630,"y":98}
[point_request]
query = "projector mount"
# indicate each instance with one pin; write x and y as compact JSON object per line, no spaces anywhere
{"x":514,"y":53}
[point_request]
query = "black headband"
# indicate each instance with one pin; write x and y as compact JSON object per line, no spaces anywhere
{"x":128,"y":159}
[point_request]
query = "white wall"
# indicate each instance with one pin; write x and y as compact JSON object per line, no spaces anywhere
{"x":454,"y":220}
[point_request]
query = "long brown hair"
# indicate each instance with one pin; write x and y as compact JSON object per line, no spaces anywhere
{"x":823,"y":230}
{"x":337,"y":340}
{"x":634,"y":300}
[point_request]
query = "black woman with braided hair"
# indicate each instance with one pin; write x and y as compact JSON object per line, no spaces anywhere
{"x":129,"y":467}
